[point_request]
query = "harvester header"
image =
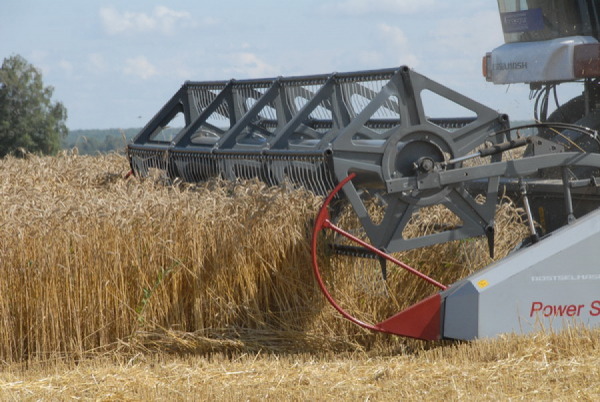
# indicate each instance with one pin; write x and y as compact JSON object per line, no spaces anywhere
{"x":385,"y":138}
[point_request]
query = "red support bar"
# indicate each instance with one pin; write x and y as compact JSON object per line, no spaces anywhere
{"x":421,"y":320}
{"x":327,"y":224}
{"x":321,"y":218}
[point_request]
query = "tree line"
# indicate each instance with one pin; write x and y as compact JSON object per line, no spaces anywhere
{"x":91,"y":142}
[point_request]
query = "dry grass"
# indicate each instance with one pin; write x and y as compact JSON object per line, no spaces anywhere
{"x":561,"y":367}
{"x":188,"y":289}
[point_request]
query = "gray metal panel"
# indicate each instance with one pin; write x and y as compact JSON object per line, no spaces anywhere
{"x":551,"y":284}
{"x":460,"y":318}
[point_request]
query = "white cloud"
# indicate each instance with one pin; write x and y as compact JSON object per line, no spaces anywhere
{"x":183,"y":72}
{"x":66,"y":66}
{"x":40,"y":60}
{"x":38,"y":55}
{"x":115,"y":22}
{"x":363,"y":7}
{"x":209,"y":21}
{"x":464,"y":34}
{"x":139,"y":67}
{"x":398,"y":45}
{"x":460,"y":46}
{"x":393,"y":35}
{"x":96,"y":63}
{"x":250,"y":65}
{"x":167,"y":18}
{"x":370,"y":58}
{"x":162,"y":19}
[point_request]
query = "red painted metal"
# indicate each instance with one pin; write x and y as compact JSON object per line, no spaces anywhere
{"x":422,"y":320}
{"x":328,"y":225}
{"x":323,"y":217}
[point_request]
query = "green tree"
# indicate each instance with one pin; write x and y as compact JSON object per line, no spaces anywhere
{"x":28,"y":117}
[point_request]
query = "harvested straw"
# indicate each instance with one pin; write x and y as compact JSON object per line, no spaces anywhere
{"x":544,"y":366}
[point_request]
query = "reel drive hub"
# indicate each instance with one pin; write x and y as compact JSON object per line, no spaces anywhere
{"x":415,"y":154}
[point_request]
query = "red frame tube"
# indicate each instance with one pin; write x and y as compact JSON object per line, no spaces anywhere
{"x":429,"y":306}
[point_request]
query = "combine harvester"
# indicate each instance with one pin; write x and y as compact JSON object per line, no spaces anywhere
{"x":371,"y":136}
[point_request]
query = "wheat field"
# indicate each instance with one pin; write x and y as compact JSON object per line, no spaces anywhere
{"x":128,"y":289}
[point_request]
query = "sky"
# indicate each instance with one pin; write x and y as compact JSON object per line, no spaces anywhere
{"x":115,"y":64}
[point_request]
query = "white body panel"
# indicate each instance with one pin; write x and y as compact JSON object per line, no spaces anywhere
{"x":527,"y":62}
{"x":552,"y":284}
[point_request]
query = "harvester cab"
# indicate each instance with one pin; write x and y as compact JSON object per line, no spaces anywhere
{"x":548,"y":43}
{"x":387,"y":145}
